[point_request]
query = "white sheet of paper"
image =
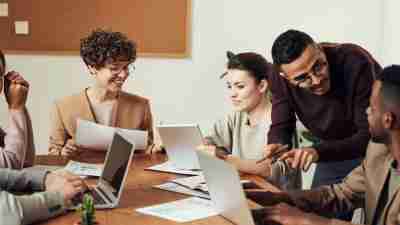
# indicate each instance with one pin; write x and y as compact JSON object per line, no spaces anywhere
{"x":190,"y":182}
{"x":184,"y":210}
{"x":169,"y":168}
{"x":96,"y":136}
{"x":181,"y":189}
{"x":84,"y":169}
{"x":3,"y":9}
{"x":196,"y":183}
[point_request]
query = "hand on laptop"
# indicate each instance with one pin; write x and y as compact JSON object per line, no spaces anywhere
{"x":289,"y":215}
{"x":66,"y":183}
{"x":267,"y":198}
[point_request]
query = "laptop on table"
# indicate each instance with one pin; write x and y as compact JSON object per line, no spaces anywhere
{"x":108,"y":191}
{"x":181,"y":141}
{"x":226,"y":190}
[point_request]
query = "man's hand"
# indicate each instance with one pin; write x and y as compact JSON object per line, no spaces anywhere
{"x":272,"y":151}
{"x":301,"y":158}
{"x":16,"y":90}
{"x":267,"y":198}
{"x":66,"y":183}
{"x":289,"y":215}
{"x":70,"y":149}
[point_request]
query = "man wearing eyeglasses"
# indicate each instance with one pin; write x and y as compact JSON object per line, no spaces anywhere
{"x":327,"y":87}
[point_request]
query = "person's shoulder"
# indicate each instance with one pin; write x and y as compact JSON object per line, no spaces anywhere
{"x":133,"y":98}
{"x":347,"y":52}
{"x":377,"y":152}
{"x":231,"y":118}
{"x":73,"y":99}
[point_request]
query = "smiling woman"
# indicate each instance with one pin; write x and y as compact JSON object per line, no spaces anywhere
{"x":109,"y":57}
{"x":241,"y":136}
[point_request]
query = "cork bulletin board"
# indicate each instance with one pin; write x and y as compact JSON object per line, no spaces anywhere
{"x":161,"y":28}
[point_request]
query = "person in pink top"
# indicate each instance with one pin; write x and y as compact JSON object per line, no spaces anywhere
{"x":16,"y":140}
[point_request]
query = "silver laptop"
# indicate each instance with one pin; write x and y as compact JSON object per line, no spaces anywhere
{"x":225,"y":189}
{"x":181,"y":141}
{"x":107,"y":192}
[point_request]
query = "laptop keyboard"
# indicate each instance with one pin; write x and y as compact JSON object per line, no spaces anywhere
{"x":97,"y":199}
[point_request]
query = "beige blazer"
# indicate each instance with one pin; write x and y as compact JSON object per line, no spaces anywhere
{"x":132,"y":112}
{"x":361,"y":188}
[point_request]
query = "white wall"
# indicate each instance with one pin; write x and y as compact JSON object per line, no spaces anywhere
{"x":391,"y":44}
{"x":189,"y":90}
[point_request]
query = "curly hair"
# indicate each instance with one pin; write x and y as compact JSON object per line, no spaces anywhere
{"x":289,"y":45}
{"x":254,"y":63}
{"x":102,"y":47}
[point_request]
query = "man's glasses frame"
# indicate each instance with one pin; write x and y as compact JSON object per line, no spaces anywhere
{"x":304,"y":80}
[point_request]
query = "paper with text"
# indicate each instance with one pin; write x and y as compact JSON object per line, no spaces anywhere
{"x":84,"y":169}
{"x":174,"y":187}
{"x":184,"y":210}
{"x":168,"y":167}
{"x":96,"y":136}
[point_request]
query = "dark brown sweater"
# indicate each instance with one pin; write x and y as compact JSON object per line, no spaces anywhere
{"x":339,"y":117}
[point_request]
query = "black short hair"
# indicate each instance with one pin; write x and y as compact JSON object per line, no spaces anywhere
{"x":257,"y":66}
{"x":390,"y":90}
{"x":289,"y":45}
{"x":103,"y":46}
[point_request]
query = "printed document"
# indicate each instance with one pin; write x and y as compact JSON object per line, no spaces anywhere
{"x":184,"y":210}
{"x":96,"y":136}
{"x":168,"y":167}
{"x":84,"y":169}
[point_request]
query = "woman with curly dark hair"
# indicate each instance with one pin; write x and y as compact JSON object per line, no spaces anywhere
{"x":109,"y":57}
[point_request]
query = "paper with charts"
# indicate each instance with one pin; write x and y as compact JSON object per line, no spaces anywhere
{"x":184,"y":210}
{"x":96,"y":136}
{"x":84,"y":169}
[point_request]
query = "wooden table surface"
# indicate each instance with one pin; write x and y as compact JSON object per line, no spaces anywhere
{"x":139,"y":193}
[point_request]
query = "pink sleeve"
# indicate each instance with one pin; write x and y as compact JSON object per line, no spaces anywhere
{"x":18,"y":150}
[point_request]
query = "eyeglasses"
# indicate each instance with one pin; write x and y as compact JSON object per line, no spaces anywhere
{"x":128,"y":68}
{"x":304,"y":80}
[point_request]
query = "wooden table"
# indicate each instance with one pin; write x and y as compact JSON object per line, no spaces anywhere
{"x":139,"y":193}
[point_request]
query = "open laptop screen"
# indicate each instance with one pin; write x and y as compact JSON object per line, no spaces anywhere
{"x":117,"y":163}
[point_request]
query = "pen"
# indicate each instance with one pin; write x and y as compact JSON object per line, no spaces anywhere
{"x":276,"y":154}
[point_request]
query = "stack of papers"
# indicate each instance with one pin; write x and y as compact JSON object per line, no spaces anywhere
{"x":84,"y":169}
{"x":194,"y":186}
{"x":169,"y":168}
{"x":184,"y":210}
{"x":194,"y":183}
{"x":182,"y":190}
{"x":96,"y":136}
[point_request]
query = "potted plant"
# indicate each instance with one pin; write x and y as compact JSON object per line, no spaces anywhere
{"x":87,"y":211}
